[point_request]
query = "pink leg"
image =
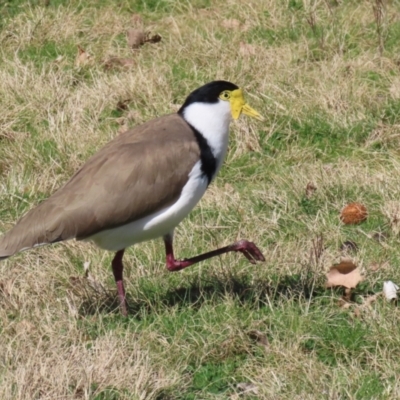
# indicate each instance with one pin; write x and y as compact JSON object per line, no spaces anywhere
{"x":249,"y":249}
{"x":118,"y":268}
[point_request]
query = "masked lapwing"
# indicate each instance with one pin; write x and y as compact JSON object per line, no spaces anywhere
{"x":142,"y":184}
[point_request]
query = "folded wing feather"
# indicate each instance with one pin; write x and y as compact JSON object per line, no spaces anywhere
{"x":136,"y":174}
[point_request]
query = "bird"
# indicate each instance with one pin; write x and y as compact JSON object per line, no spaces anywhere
{"x":141,"y":185}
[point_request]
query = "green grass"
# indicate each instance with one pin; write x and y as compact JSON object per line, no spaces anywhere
{"x":331,"y":104}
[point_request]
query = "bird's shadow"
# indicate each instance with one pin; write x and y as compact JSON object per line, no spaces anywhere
{"x":198,"y":291}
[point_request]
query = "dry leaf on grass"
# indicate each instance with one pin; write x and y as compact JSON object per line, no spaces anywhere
{"x":122,"y":105}
{"x":375,"y":266}
{"x":259,"y":337}
{"x":345,"y":274}
{"x":367,"y":301}
{"x":154,"y":39}
{"x":115,"y":62}
{"x":83,"y":57}
{"x":138,"y":37}
{"x":135,"y":38}
{"x":310,"y":189}
{"x":353,"y":213}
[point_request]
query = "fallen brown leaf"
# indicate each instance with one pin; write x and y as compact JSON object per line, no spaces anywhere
{"x":135,"y":38}
{"x":345,"y":274}
{"x":154,"y":39}
{"x":82,"y":58}
{"x":374,"y":267}
{"x":259,"y":337}
{"x":353,"y":213}
{"x":115,"y":62}
{"x":122,"y":105}
{"x":310,"y":189}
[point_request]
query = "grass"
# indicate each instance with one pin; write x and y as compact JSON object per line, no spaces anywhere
{"x":327,"y":80}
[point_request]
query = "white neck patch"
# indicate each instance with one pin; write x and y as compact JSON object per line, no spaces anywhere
{"x":212,"y":121}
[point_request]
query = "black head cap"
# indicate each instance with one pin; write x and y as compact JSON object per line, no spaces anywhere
{"x":208,"y":93}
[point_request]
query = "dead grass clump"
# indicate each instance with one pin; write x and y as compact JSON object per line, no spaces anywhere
{"x":325,"y":76}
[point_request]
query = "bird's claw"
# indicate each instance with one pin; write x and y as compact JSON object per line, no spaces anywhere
{"x":249,"y":250}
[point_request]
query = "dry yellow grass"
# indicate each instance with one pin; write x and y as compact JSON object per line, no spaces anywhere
{"x":330,"y":98}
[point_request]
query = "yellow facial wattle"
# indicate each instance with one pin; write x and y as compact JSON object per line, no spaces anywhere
{"x":238,"y":104}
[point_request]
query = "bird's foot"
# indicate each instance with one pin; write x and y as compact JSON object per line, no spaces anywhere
{"x":249,"y":250}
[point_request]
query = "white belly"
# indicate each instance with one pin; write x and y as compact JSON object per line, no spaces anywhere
{"x":159,"y":223}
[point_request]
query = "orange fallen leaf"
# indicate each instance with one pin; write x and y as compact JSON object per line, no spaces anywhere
{"x":353,"y":213}
{"x":345,"y":274}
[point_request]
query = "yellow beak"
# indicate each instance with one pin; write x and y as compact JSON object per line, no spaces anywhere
{"x":238,"y":106}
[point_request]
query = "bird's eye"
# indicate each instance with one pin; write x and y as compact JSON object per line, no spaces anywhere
{"x":225,"y":95}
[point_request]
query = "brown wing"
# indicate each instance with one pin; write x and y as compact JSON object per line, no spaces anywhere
{"x":136,"y":174}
